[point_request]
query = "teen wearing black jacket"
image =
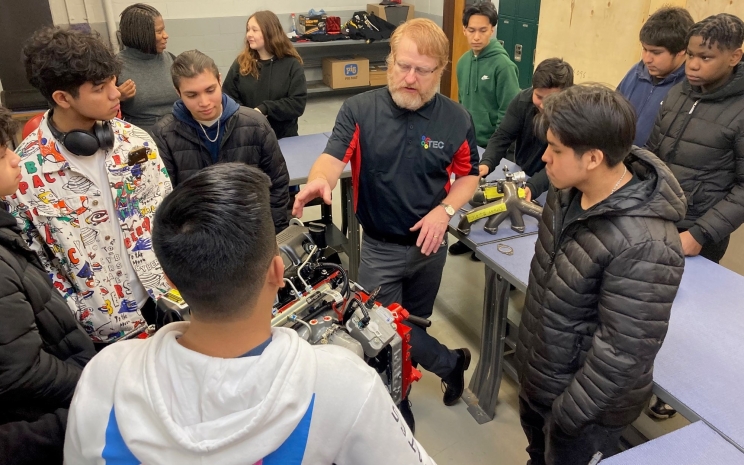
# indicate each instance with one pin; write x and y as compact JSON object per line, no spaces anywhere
{"x":42,"y":348}
{"x":699,"y":133}
{"x":268,"y":75}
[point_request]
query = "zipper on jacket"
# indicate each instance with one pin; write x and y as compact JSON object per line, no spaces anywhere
{"x":673,"y":152}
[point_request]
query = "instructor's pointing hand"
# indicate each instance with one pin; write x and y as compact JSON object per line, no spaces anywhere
{"x":318,"y":187}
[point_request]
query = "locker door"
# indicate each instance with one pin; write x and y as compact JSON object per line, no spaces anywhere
{"x":528,"y":10}
{"x":505,"y":34}
{"x":523,"y":50}
{"x":508,"y":7}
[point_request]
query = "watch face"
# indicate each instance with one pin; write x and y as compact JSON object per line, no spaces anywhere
{"x":450,"y":211}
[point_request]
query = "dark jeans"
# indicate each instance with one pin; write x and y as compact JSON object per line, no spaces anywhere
{"x":549,"y":445}
{"x":408,"y":277}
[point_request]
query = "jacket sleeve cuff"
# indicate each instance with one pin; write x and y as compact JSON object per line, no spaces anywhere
{"x":263,"y":109}
{"x":698,"y":234}
{"x":486,"y":163}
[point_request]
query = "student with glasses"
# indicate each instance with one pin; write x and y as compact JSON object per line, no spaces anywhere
{"x":403,"y":143}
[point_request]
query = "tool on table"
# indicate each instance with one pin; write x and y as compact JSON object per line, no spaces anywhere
{"x":503,"y":198}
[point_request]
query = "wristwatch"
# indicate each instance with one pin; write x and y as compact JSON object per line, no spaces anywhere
{"x":448,"y":209}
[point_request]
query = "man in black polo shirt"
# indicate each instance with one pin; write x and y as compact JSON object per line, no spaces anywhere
{"x":404,"y":142}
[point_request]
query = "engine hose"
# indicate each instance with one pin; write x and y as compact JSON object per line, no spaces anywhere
{"x":340,"y":269}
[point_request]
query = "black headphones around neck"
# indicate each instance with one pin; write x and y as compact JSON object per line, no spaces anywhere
{"x":84,"y":143}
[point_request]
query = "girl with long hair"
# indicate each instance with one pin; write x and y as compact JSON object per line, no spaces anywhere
{"x":268,"y":75}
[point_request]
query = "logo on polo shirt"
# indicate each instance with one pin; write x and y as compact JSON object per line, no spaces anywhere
{"x":427,"y":142}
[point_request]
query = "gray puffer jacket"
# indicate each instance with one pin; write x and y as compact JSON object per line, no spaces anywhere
{"x":599,"y":297}
{"x":701,"y":138}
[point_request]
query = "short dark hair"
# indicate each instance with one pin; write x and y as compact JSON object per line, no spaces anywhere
{"x":553,"y":73}
{"x":137,"y":27}
{"x":8,"y":127}
{"x":723,"y":29}
{"x":190,"y":64}
{"x":590,"y":116}
{"x":65,"y":59}
{"x":485,"y":8}
{"x":668,"y":28}
{"x":214,"y":238}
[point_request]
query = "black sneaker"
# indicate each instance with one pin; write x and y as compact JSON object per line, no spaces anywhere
{"x":458,"y":248}
{"x":407,"y":413}
{"x":657,"y":408}
{"x":454,"y":384}
{"x":474,"y":258}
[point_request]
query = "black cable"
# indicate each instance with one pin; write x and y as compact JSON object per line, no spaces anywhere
{"x":340,"y":269}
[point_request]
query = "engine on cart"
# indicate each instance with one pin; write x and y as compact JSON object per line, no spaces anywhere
{"x":325,"y":307}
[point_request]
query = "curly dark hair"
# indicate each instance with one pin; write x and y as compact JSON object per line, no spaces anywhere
{"x":8,"y":127}
{"x":61,"y":59}
{"x":137,"y":27}
{"x":723,"y":29}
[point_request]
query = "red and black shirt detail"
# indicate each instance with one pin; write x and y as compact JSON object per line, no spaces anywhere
{"x":401,"y":160}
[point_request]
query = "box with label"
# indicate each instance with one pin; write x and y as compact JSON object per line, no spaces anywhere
{"x":394,"y":14}
{"x":312,"y":24}
{"x":342,"y":72}
{"x":378,"y":75}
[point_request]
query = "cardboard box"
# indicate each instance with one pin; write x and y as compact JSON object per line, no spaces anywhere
{"x":311,"y":24}
{"x":395,"y":14}
{"x":343,"y":72}
{"x":377,"y":75}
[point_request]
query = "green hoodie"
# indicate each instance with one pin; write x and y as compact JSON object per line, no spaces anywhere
{"x":487,"y":83}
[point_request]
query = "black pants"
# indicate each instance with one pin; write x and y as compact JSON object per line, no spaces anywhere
{"x":549,"y":445}
{"x":412,"y":279}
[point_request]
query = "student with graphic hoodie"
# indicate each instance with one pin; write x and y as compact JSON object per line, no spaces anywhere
{"x":227,"y":388}
{"x":208,"y":127}
{"x":664,"y":42}
{"x":486,"y":77}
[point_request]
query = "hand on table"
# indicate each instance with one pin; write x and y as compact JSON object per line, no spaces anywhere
{"x":432,"y":228}
{"x":127,"y":90}
{"x":318,"y":187}
{"x":690,"y":246}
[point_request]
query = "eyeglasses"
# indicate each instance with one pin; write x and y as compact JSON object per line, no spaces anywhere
{"x":421,"y":72}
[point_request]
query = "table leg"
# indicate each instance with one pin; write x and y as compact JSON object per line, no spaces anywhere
{"x":355,"y":237}
{"x":483,"y":392}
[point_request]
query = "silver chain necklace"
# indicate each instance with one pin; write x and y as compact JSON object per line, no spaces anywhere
{"x":218,"y":133}
{"x":617,"y":184}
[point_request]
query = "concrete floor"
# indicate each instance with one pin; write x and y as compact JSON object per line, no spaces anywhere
{"x":450,"y":434}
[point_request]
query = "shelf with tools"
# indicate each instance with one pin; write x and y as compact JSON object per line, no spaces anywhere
{"x":313,"y":53}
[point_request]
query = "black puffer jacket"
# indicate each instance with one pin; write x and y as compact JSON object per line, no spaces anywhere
{"x":599,"y":298}
{"x":248,"y":138}
{"x":701,"y":138}
{"x":42,"y":353}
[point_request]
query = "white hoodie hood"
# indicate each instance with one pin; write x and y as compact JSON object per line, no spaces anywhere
{"x":156,"y":402}
{"x":198,"y":403}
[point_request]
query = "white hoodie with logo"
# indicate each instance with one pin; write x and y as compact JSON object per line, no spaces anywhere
{"x":155,"y":402}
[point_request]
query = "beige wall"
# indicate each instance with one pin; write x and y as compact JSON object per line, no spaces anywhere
{"x":600,"y":37}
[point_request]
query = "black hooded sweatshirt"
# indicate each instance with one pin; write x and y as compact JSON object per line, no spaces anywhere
{"x":280,"y":92}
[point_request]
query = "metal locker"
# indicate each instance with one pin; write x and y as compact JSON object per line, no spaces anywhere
{"x":523,"y":50}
